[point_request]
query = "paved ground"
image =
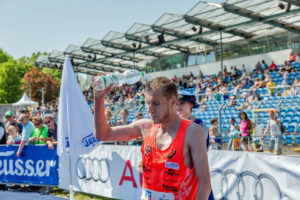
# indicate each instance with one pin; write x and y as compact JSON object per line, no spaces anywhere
{"x":13,"y":195}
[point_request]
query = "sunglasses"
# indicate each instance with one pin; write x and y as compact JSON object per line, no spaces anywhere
{"x":47,"y":122}
{"x":7,"y":117}
{"x":36,"y":123}
{"x":22,"y":119}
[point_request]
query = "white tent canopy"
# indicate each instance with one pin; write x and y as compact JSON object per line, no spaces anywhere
{"x":25,"y":101}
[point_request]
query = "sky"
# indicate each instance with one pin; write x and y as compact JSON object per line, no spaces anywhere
{"x":43,"y":25}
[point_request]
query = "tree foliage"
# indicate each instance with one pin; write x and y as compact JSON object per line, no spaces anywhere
{"x":37,"y":79}
{"x":13,"y":83}
{"x":55,"y":73}
{"x":4,"y":57}
{"x":10,"y":82}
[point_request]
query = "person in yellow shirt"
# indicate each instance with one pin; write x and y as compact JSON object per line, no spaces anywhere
{"x":270,"y":86}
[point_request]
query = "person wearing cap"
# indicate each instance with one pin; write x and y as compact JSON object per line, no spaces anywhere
{"x":274,"y":128}
{"x":11,"y":121}
{"x":184,"y":107}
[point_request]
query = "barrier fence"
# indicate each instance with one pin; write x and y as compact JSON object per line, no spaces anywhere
{"x":38,"y":165}
{"x":112,"y":171}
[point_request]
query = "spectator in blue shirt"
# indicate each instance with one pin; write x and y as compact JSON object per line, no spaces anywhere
{"x":27,"y":131}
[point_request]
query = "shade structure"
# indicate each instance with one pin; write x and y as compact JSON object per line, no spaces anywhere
{"x":197,"y":30}
{"x":25,"y":101}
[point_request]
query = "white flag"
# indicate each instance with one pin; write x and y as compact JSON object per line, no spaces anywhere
{"x":75,"y":118}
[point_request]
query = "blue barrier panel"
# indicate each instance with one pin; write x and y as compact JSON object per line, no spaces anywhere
{"x":38,"y":165}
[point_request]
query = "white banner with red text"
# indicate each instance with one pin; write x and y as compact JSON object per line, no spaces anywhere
{"x":109,"y":170}
{"x":112,"y":171}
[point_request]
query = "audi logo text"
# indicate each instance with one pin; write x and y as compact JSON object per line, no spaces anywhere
{"x":240,"y":185}
{"x":93,"y":169}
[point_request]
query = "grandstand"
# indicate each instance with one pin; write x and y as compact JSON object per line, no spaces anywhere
{"x":286,"y":106}
{"x":209,"y":37}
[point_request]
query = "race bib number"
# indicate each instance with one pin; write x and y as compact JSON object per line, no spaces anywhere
{"x":171,"y":165}
{"x":153,"y":195}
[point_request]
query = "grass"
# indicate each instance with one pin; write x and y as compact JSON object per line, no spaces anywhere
{"x":78,"y":195}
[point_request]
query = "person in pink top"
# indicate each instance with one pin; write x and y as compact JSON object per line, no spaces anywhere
{"x":246,"y":128}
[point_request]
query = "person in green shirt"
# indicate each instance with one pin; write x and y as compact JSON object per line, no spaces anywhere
{"x":40,"y":133}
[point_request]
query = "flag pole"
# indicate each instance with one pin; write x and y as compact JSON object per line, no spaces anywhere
{"x":70,"y":176}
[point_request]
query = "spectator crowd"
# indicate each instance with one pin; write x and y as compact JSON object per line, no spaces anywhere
{"x":37,"y":126}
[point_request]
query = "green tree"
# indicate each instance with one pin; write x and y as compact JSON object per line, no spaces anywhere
{"x":55,"y":73}
{"x":10,"y":82}
{"x":4,"y":57}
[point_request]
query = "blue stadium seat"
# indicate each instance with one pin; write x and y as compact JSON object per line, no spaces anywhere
{"x":289,"y":139}
{"x":291,"y":128}
{"x":298,"y":139}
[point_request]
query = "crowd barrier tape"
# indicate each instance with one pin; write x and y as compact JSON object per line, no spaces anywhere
{"x":112,"y":171}
{"x":38,"y":165}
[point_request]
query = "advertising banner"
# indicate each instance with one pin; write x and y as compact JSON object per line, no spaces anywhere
{"x":111,"y":171}
{"x":38,"y":165}
{"x":250,"y":175}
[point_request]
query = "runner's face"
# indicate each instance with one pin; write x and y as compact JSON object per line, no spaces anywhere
{"x":183,"y":109}
{"x":158,"y":106}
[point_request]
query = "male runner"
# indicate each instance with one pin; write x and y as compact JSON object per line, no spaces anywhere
{"x":175,"y":164}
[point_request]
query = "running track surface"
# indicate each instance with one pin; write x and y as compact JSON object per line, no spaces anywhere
{"x":9,"y":195}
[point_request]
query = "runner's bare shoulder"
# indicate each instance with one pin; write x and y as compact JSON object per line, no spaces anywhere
{"x":144,"y":125}
{"x":194,"y":131}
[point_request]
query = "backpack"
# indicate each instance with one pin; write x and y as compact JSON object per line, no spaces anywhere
{"x":250,"y":126}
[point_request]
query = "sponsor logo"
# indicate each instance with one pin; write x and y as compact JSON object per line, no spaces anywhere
{"x":170,"y":188}
{"x":89,"y":140}
{"x":148,"y":193}
{"x":28,"y":168}
{"x":172,"y":154}
{"x":171,"y":165}
{"x":6,"y":153}
{"x":171,"y":172}
{"x":147,"y":151}
{"x":146,"y":170}
{"x":93,"y":169}
{"x":257,"y":191}
{"x":67,"y":142}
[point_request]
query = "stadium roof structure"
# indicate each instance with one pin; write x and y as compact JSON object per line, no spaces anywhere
{"x":205,"y":25}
